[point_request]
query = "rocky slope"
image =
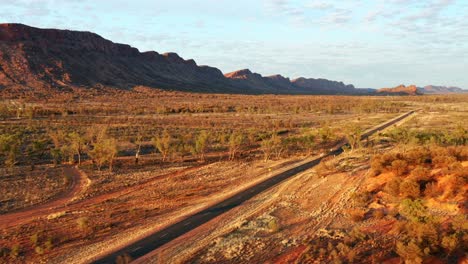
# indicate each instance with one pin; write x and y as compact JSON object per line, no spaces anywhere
{"x":49,"y":57}
{"x":33,"y":58}
{"x":323,"y":86}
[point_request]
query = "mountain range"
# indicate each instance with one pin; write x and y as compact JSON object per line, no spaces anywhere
{"x":433,"y":89}
{"x":33,"y":58}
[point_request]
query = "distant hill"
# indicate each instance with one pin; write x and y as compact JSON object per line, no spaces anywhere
{"x":45,"y":59}
{"x":280,"y":84}
{"x":399,"y":90}
{"x":433,"y":89}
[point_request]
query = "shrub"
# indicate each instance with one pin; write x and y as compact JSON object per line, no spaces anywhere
{"x":236,"y":139}
{"x":409,"y":188}
{"x":432,"y":190}
{"x":4,"y":252}
{"x":410,"y":252}
{"x":417,"y":155}
{"x":354,"y":236}
{"x":387,"y":159}
{"x":378,"y":214}
{"x":377,"y":166}
{"x":34,"y":239}
{"x":273,"y":225}
{"x":82,"y":223}
{"x":356,"y":215}
{"x":413,"y":210}
{"x":361,"y":199}
{"x":39,"y":250}
{"x":399,"y":167}
{"x":450,"y":243}
{"x":393,"y":187}
{"x":443,"y":161}
{"x":49,"y":244}
{"x":15,"y":251}
{"x":420,"y":174}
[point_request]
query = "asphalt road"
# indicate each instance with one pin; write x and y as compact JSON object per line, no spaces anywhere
{"x":155,"y":240}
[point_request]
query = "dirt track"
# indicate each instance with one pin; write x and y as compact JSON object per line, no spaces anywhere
{"x":66,"y":199}
{"x":77,"y":185}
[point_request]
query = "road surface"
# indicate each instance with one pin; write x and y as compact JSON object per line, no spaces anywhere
{"x":155,"y":240}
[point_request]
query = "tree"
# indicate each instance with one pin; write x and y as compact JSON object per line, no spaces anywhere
{"x":9,"y":148}
{"x":104,"y":151}
{"x":235,"y":142}
{"x":77,"y":144}
{"x":58,"y":139}
{"x":325,"y":133}
{"x":201,"y":144}
{"x":459,"y":135}
{"x":164,"y":143}
{"x":267,"y":146}
{"x":36,"y":151}
{"x":353,"y":135}
{"x":308,"y":142}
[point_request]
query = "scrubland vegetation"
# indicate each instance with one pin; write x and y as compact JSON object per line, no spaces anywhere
{"x":413,"y":205}
{"x":137,"y":147}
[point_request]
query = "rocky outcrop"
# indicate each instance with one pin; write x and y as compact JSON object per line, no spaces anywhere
{"x":399,"y":90}
{"x":56,"y":59}
{"x":323,"y":86}
{"x":279,"y":84}
{"x":32,"y":56}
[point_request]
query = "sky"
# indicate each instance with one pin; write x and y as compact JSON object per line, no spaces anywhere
{"x":368,"y":43}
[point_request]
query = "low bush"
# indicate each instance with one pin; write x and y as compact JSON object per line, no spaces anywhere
{"x":356,"y":215}
{"x":410,"y":188}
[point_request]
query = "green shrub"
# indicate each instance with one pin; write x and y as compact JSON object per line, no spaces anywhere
{"x":15,"y":251}
{"x":413,"y":210}
{"x":39,"y":250}
{"x":34,"y":239}
{"x":273,"y":225}
{"x":49,"y":244}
